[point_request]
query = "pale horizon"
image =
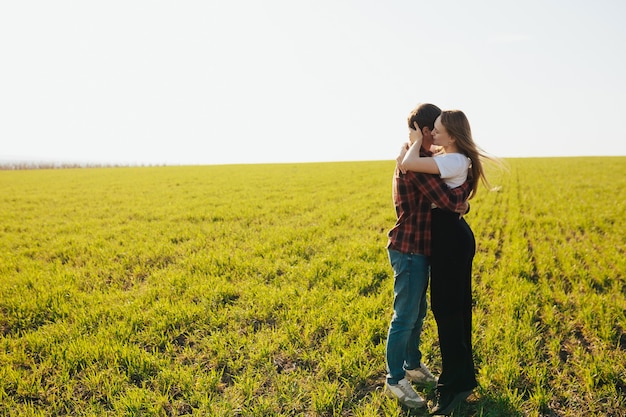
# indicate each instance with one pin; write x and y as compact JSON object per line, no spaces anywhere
{"x":213,"y":83}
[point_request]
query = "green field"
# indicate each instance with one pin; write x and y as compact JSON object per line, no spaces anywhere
{"x":265,"y":290}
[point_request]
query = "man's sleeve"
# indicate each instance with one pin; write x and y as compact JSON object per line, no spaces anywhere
{"x":438,"y":192}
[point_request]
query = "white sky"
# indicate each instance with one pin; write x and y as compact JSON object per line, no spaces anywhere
{"x":212,"y":82}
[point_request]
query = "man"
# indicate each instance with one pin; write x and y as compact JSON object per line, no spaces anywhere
{"x":409,"y":248}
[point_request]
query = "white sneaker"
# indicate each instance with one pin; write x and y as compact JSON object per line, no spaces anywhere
{"x":421,"y":375}
{"x":405,"y":393}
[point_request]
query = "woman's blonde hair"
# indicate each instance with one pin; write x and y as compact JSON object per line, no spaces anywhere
{"x":458,"y":127}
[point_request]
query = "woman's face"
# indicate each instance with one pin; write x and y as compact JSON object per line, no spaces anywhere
{"x":441,"y":137}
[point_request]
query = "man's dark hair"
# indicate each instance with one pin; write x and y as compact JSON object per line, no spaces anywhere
{"x":425,"y":115}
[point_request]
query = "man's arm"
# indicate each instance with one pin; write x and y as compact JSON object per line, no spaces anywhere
{"x":438,"y":192}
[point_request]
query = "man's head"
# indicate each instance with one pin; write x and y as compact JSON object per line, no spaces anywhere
{"x":424,"y":115}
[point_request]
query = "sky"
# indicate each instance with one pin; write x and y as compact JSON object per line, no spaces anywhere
{"x":275,"y":81}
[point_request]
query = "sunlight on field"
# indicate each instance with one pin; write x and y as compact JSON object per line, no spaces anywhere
{"x":266,"y":290}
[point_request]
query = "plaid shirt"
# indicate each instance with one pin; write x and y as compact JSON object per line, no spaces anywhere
{"x":413,"y":194}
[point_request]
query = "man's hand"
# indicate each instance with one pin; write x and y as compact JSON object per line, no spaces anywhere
{"x":463,"y":209}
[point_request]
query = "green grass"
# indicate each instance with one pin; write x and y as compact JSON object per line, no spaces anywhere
{"x":265,"y":290}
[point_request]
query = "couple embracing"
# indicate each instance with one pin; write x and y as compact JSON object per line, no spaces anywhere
{"x":430,"y":193}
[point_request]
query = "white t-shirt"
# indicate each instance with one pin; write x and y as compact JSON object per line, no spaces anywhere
{"x":453,"y":168}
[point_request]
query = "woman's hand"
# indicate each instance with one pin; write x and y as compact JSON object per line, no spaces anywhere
{"x":413,"y":160}
{"x":415,"y":135}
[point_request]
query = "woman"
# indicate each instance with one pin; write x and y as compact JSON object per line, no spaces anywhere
{"x":453,"y":249}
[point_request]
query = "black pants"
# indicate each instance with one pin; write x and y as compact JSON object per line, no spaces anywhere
{"x":453,"y":249}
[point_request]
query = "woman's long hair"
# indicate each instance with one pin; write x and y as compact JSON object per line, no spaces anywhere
{"x":458,"y":127}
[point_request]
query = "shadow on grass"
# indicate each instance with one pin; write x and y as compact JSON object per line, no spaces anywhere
{"x":487,"y":406}
{"x":483,"y":406}
{"x":477,"y":405}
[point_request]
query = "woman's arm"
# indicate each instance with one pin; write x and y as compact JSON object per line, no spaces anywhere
{"x":412,"y":160}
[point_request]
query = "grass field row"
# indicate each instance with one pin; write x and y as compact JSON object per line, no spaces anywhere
{"x":265,"y":290}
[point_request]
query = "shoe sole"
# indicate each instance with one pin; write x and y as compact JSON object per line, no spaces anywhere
{"x":458,"y":399}
{"x":390,"y":394}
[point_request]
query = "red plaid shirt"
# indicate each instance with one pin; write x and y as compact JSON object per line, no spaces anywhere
{"x":413,"y":194}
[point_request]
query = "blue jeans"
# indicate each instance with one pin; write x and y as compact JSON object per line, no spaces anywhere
{"x":409,"y":309}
